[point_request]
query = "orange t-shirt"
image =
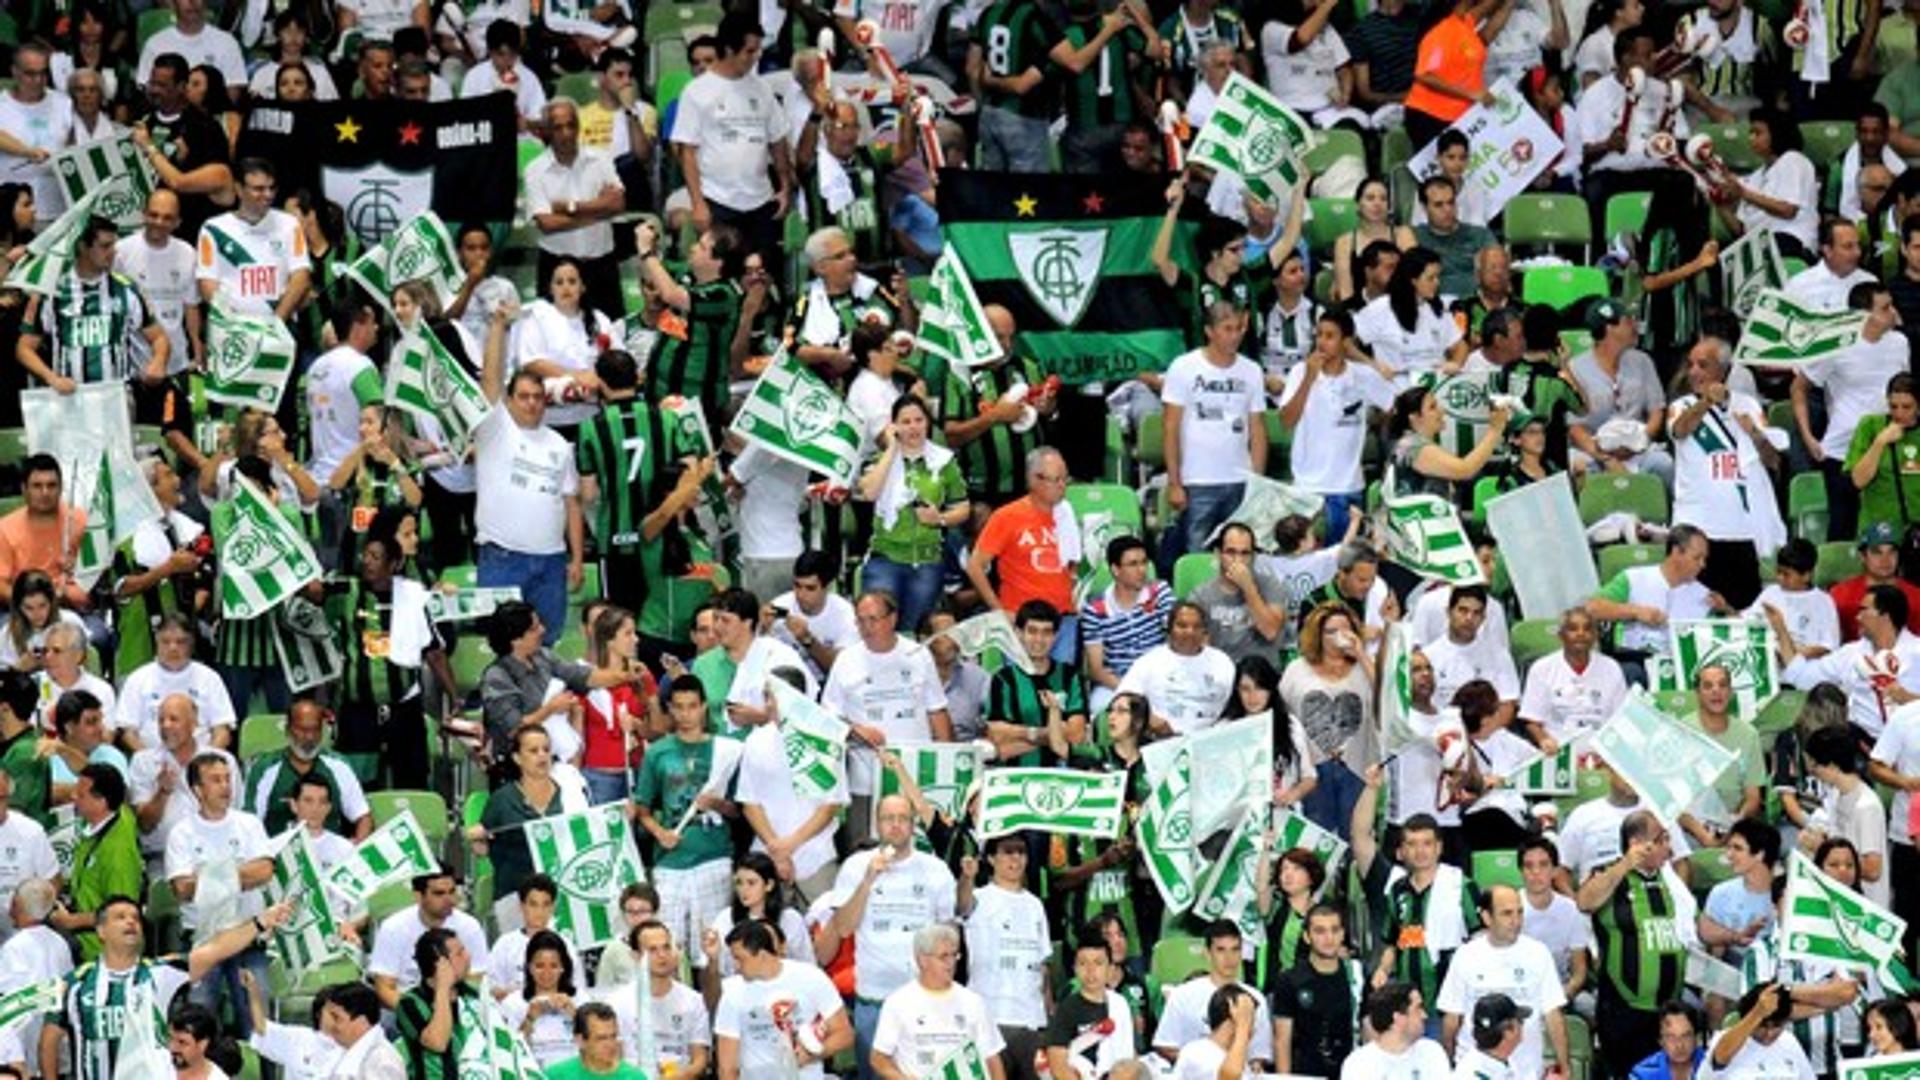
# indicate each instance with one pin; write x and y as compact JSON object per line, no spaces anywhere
{"x":26,"y":544}
{"x":1026,"y":555}
{"x":1453,"y":52}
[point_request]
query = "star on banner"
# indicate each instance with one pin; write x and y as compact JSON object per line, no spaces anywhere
{"x":1025,"y":205}
{"x":410,"y":134}
{"x":1093,"y":203}
{"x":346,"y":131}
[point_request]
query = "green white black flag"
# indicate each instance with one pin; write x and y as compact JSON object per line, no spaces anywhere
{"x":953,"y":323}
{"x":263,"y":557}
{"x":944,"y":772}
{"x":488,"y":1046}
{"x":1748,"y":267}
{"x":1065,"y":801}
{"x":64,"y":835}
{"x":115,"y":168}
{"x":1165,"y":834}
{"x":1744,"y":648}
{"x":795,"y":416}
{"x":421,"y":250}
{"x":1252,"y":135}
{"x":1424,"y":535}
{"x":1546,"y":774}
{"x":1826,"y":922}
{"x":51,"y":251}
{"x":310,"y":937}
{"x":425,"y":379}
{"x":1227,"y":888}
{"x":1396,"y":690}
{"x":396,"y":851}
{"x":1668,"y":763}
{"x":815,"y":741}
{"x":591,"y":856}
{"x":303,"y":640}
{"x":249,"y":358}
{"x":1781,"y":333}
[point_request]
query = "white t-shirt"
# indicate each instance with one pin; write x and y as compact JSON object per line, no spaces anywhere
{"x":773,"y":490}
{"x":1200,"y":1059}
{"x":1332,"y":430}
{"x":760,"y":1014}
{"x":735,"y":123}
{"x":1861,"y":817}
{"x":765,"y":654}
{"x":918,"y":1028}
{"x":529,"y":97}
{"x":1822,"y":289}
{"x":1008,"y":941}
{"x":195,"y":841}
{"x":1408,"y":353}
{"x":1190,"y":691}
{"x":1218,"y":406}
{"x":1421,"y":1061}
{"x":1184,"y":1018}
{"x":1647,"y":587}
{"x":1568,"y":703}
{"x":680,"y":1021}
{"x":1455,"y":665}
{"x":507,"y":965}
{"x":1516,"y":49}
{"x":1429,"y":619}
{"x":871,"y":398}
{"x":380,"y":19}
{"x":1811,"y":616}
{"x":301,"y":1052}
{"x":1523,"y":971}
{"x":24,"y":853}
{"x":333,"y":409}
{"x":906,"y":896}
{"x":1560,"y":927}
{"x":165,"y":275}
{"x":525,"y":477}
{"x":1898,"y":748}
{"x":252,"y":262}
{"x":1502,"y":754}
{"x":766,"y":780}
{"x":835,"y":626}
{"x":150,"y":684}
{"x":1416,"y":770}
{"x":1850,"y":178}
{"x":906,"y":26}
{"x":546,"y":333}
{"x":1305,"y":81}
{"x":1714,"y":470}
{"x":392,"y":954}
{"x":1791,"y":179}
{"x":1783,"y":1059}
{"x":143,"y":783}
{"x":550,"y":184}
{"x":1855,"y":382}
{"x":549,"y":1037}
{"x":896,"y":691}
{"x":211,"y":45}
{"x":1590,"y":836}
{"x":44,"y":125}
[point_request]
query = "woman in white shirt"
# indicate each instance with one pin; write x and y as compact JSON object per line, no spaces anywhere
{"x":1408,"y":330}
{"x":1606,"y":19}
{"x":543,"y":1009}
{"x":1783,"y":194}
{"x":35,"y":610}
{"x":876,"y":386}
{"x":1307,"y":62}
{"x":560,"y":338}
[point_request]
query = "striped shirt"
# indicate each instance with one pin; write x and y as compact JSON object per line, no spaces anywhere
{"x":1125,"y":634}
{"x":1643,"y":958}
{"x":93,"y":329}
{"x":95,"y":1011}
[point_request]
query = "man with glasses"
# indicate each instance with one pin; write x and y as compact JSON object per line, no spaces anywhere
{"x":94,"y":327}
{"x":1125,"y":622}
{"x":1642,"y":941}
{"x":34,"y":122}
{"x":838,"y":299}
{"x":728,"y":129}
{"x":255,"y":255}
{"x":1033,"y":546}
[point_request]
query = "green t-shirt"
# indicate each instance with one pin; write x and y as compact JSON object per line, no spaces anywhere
{"x":106,"y":863}
{"x":1900,"y":93}
{"x":671,"y":777}
{"x":715,"y":670}
{"x":1751,"y":768}
{"x":575,"y":1069}
{"x":31,"y":782}
{"x":1879,"y":502}
{"x":1014,"y":697}
{"x":907,"y":541}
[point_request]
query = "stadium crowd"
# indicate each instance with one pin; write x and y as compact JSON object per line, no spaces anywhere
{"x":705,"y":186}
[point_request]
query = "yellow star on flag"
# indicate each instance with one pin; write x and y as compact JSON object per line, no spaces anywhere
{"x":347,"y":131}
{"x":1025,"y":205}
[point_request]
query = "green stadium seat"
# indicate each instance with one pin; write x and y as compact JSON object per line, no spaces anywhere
{"x":163,"y":914}
{"x":1576,"y":342}
{"x":151,"y":22}
{"x":1613,"y":558}
{"x":1193,"y":570}
{"x":464,"y":576}
{"x":1839,"y":560}
{"x":13,"y":444}
{"x":1496,"y":868}
{"x":1627,"y":213}
{"x":429,"y":809}
{"x":1177,"y":959}
{"x":1116,"y":500}
{"x":578,"y":87}
{"x":1548,"y":221}
{"x":1484,"y":489}
{"x":262,"y":733}
{"x":1562,"y":286}
{"x":470,"y":658}
{"x":1149,"y":443}
{"x":1825,"y":142}
{"x":1781,"y":713}
{"x":1531,"y":639}
{"x":1331,"y":219}
{"x":1334,"y":145}
{"x":1640,"y":494}
{"x":387,"y":899}
{"x":1730,"y":143}
{"x":1807,"y":506}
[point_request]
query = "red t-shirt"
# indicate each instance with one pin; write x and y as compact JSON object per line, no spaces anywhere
{"x":606,"y":746}
{"x":1848,"y":595}
{"x":1026,"y":555}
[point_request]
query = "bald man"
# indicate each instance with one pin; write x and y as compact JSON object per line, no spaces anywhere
{"x":1502,"y":960}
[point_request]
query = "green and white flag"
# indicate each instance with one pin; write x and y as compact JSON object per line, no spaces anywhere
{"x":311,"y":936}
{"x":1396,"y":690}
{"x":1893,"y":1067}
{"x":1547,"y":774}
{"x":1164,"y":833}
{"x":793,"y":415}
{"x":1291,"y":829}
{"x":953,"y":323}
{"x":263,"y":557}
{"x":249,"y":358}
{"x":421,"y":250}
{"x":92,"y":481}
{"x":1668,"y":763}
{"x":1222,"y":796}
{"x":1227,"y":888}
{"x":944,"y":772}
{"x":93,"y":423}
{"x":1064,"y":801}
{"x":1750,"y":266}
{"x":302,"y":638}
{"x":1252,"y":135}
{"x":990,"y":631}
{"x":1781,"y":333}
{"x":1825,"y":922}
{"x":19,"y":1005}
{"x":1424,"y":535}
{"x":50,"y":252}
{"x":591,"y":856}
{"x":489,"y":1047}
{"x":396,"y":851}
{"x":815,"y":740}
{"x":965,"y":1063}
{"x":114,"y":167}
{"x":65,"y":837}
{"x":427,"y":380}
{"x":462,"y":605}
{"x":1744,"y":648}
{"x":714,"y":512}
{"x":1466,"y":399}
{"x":1265,"y":502}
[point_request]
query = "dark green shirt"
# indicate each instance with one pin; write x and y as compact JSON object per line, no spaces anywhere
{"x":1015,"y":36}
{"x":412,"y":1017}
{"x":695,"y":353}
{"x":1014,"y":698}
{"x":994,"y":464}
{"x":624,"y":447}
{"x":1102,"y":94}
{"x":1643,"y":962}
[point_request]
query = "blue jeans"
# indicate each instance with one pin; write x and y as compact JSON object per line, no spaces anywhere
{"x":914,"y":588}
{"x":605,"y":785}
{"x":1207,"y":506}
{"x":1010,"y":142}
{"x":1066,"y":644}
{"x":1330,"y":804}
{"x":1338,"y":509}
{"x":542,"y":580}
{"x":866,"y":1017}
{"x":241,"y":683}
{"x":224,"y":981}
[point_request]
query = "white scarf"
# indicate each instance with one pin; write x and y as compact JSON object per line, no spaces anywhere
{"x":1445,"y":927}
{"x":894,"y":495}
{"x":412,"y":631}
{"x":1817,"y":66}
{"x":836,"y":188}
{"x":1066,"y":530}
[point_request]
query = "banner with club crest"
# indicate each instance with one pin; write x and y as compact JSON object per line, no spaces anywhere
{"x":944,"y":772}
{"x":1744,"y":648}
{"x":114,"y":167}
{"x":249,"y":358}
{"x":1780,"y":332}
{"x":798,"y":418}
{"x":1535,"y":527}
{"x":591,"y":857}
{"x":1424,"y":535}
{"x":1164,"y":833}
{"x":1252,"y":135}
{"x":1508,"y":146}
{"x":1065,"y":801}
{"x":1748,"y":267}
{"x":310,"y":937}
{"x":1667,"y":762}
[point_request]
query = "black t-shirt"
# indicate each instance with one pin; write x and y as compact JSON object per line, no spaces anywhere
{"x":1074,"y":1017}
{"x":1321,"y":1009}
{"x":190,"y":140}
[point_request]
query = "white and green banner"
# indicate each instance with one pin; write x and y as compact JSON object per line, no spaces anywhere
{"x":1892,"y":1067}
{"x":1221,"y":795}
{"x":1667,"y":762}
{"x":21,"y":1004}
{"x":797,"y":417}
{"x":487,"y":1045}
{"x":421,"y":250}
{"x":815,"y":740}
{"x":1396,"y":690}
{"x":304,"y":641}
{"x":1065,"y":801}
{"x":965,"y":1063}
{"x":1510,"y":145}
{"x":990,"y":631}
{"x":1750,"y":266}
{"x":591,"y":856}
{"x":310,"y":937}
{"x":398,"y":850}
{"x":1255,"y":137}
{"x":944,"y":772}
{"x":1263,"y":505}
{"x":1782,"y":333}
{"x":1744,"y":648}
{"x":1164,"y":833}
{"x":64,"y":835}
{"x":953,"y":323}
{"x":263,"y":557}
{"x":1825,"y":922}
{"x":714,"y":512}
{"x":425,"y":379}
{"x":1535,"y":527}
{"x":1465,"y":399}
{"x":1547,"y":774}
{"x":114,"y":167}
{"x":249,"y":358}
{"x":463,"y":605}
{"x":1424,"y":535}
{"x":1227,"y":888}
{"x":91,"y":483}
{"x":50,"y":252}
{"x":1291,"y":829}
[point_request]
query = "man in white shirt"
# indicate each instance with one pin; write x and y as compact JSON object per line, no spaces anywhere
{"x":886,"y":688}
{"x":1007,"y":930}
{"x":1824,"y":285}
{"x":35,"y":953}
{"x":1879,"y":670}
{"x":1641,"y":600}
{"x":1870,"y":147}
{"x":173,"y":671}
{"x":891,"y":892}
{"x":1465,"y":654}
{"x":254,"y":255}
{"x":729,"y":129}
{"x":1590,"y":835}
{"x":1502,"y":960}
{"x":25,"y":856}
{"x":1759,"y":1044}
{"x":927,"y":1020}
{"x":528,"y":520}
{"x":573,"y":194}
{"x":1188,"y":1014}
{"x":1494,"y":1037}
{"x":35,"y":122}
{"x":810,"y":616}
{"x":1551,"y":917}
{"x":503,"y":70}
{"x":224,"y":848}
{"x":1854,"y":381}
{"x":1216,"y":432}
{"x":351,"y":1016}
{"x":794,"y":830}
{"x":194,"y":40}
{"x":162,"y":265}
{"x":1721,"y":460}
{"x":339,"y":384}
{"x":1186,"y":681}
{"x":1575,"y":691}
{"x":1226,"y":1048}
{"x":1398,"y":1050}
{"x":775,"y":1018}
{"x":390,"y":965}
{"x":682,"y":1030}
{"x":157,"y":789}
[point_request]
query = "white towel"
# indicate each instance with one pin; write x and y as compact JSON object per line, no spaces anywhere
{"x":1446,"y":925}
{"x":1066,"y":529}
{"x":1818,"y":65}
{"x":836,"y":187}
{"x":894,"y":495}
{"x":412,"y":630}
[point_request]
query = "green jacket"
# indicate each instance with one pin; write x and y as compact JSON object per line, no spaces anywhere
{"x":107,"y":863}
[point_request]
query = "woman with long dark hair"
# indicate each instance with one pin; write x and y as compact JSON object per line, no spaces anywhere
{"x":1496,"y":818}
{"x":1417,"y":462}
{"x":543,"y":1009}
{"x":1256,"y":690}
{"x":561,"y":335}
{"x":1409,"y":329}
{"x":1783,"y":194}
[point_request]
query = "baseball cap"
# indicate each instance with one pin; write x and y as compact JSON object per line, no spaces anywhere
{"x":1496,"y":1011}
{"x":1603,"y":313}
{"x":1878,"y":533}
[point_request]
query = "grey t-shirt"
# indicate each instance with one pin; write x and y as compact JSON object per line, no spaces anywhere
{"x":1636,"y":393}
{"x":1230,"y":622}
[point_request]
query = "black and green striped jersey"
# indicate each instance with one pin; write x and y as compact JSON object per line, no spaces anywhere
{"x":362,"y":621}
{"x":625,"y":447}
{"x":995,"y":463}
{"x":860,"y":218}
{"x":1251,"y":290}
{"x":1013,"y":36}
{"x":1014,"y":698}
{"x":1405,"y":928}
{"x":1643,"y":959}
{"x":91,"y":331}
{"x":695,"y":351}
{"x":95,"y":1011}
{"x":1102,"y":94}
{"x":245,"y":643}
{"x":1186,"y":40}
{"x":373,"y":486}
